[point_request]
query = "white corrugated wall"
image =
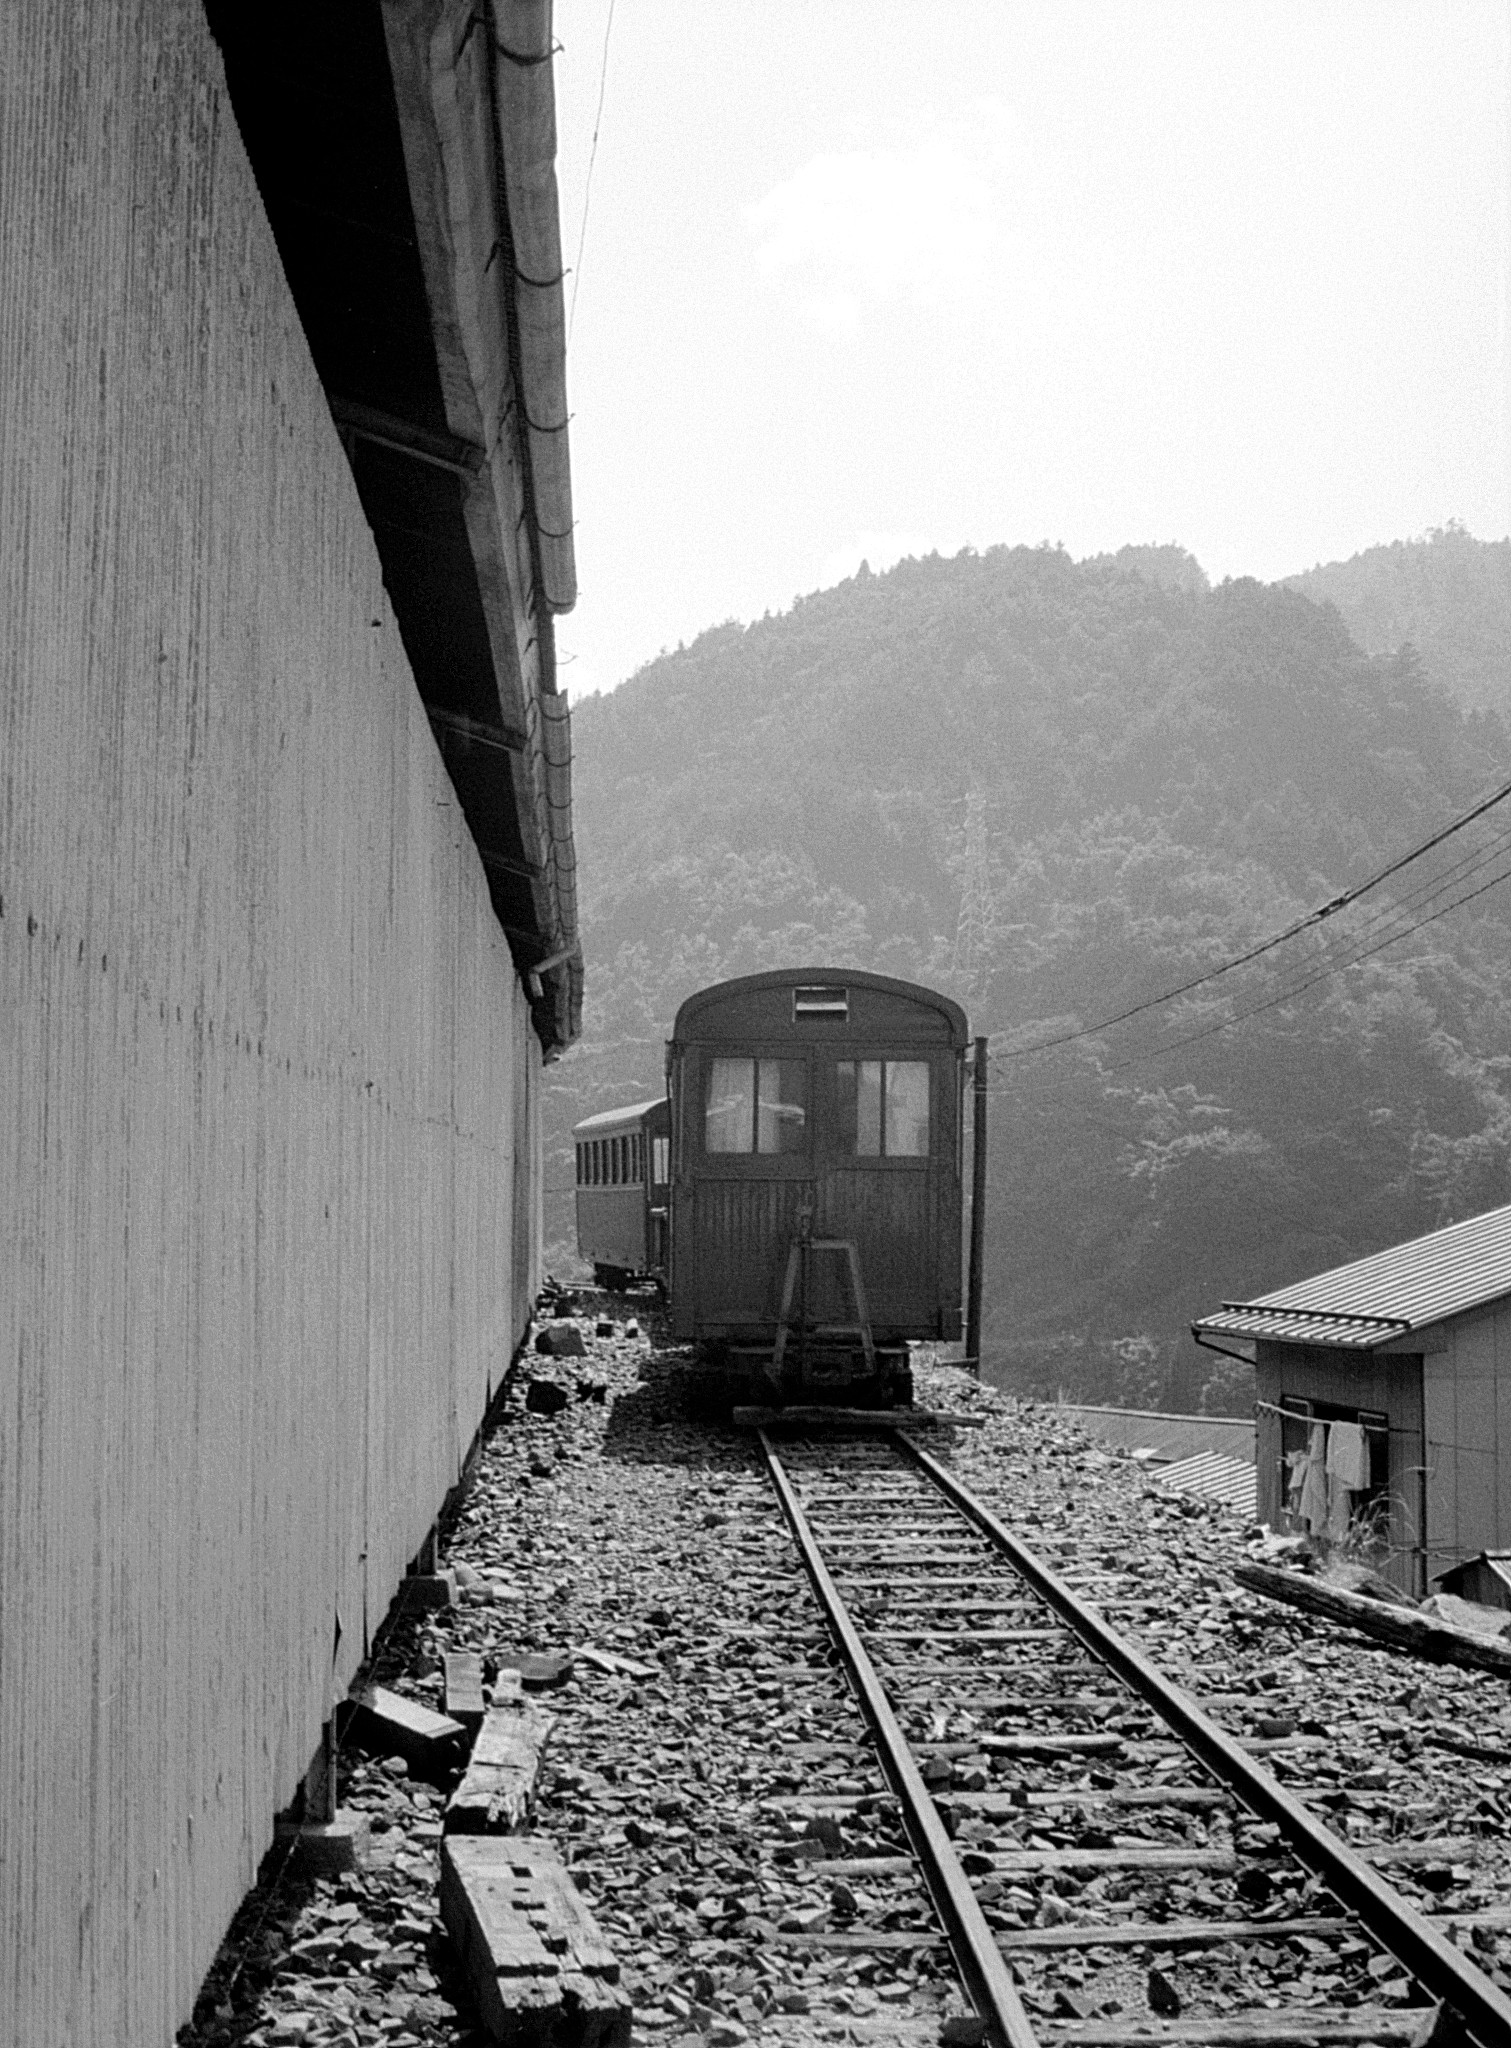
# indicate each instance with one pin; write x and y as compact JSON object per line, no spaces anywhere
{"x":266,"y":1213}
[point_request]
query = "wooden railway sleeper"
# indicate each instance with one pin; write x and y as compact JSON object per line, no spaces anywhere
{"x":987,"y":1977}
{"x":1471,"y":2007}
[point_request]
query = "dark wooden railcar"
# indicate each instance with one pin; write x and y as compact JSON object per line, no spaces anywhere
{"x":816,"y":1104}
{"x":623,"y":1160}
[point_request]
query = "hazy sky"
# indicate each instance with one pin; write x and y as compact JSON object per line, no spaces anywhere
{"x":869,"y":278}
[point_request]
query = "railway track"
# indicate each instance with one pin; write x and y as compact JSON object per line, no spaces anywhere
{"x":1051,"y":1782}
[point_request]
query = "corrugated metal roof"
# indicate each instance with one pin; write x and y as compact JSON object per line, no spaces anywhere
{"x":1169,"y":1436}
{"x":1210,"y":1476}
{"x":631,"y":1114}
{"x":1299,"y":1327}
{"x":1422,"y":1281}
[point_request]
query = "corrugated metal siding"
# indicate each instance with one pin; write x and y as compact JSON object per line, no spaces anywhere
{"x":1211,"y":1476}
{"x":269,"y":1100}
{"x":1468,"y":1438}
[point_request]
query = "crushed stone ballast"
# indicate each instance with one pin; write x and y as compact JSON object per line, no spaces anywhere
{"x":707,"y":1752}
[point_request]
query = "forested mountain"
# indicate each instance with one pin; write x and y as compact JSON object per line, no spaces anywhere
{"x":1448,"y":595}
{"x":1058,"y":789}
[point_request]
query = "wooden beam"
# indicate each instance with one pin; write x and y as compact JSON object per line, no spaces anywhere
{"x":404,"y":437}
{"x":1403,"y":1628}
{"x":497,"y":737}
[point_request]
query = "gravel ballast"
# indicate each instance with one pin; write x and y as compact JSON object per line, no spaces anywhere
{"x":704,"y":1752}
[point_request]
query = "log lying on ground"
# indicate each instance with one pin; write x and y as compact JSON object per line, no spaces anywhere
{"x":1407,"y":1629}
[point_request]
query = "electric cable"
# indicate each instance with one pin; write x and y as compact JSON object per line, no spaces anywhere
{"x":587,"y":189}
{"x":1310,"y":921}
{"x":1292,"y":991}
{"x":1351,"y":952}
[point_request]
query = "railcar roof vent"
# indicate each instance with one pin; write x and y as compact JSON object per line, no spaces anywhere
{"x":821,"y":1002}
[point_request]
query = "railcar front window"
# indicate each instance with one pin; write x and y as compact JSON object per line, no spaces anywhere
{"x":860,"y":1108}
{"x":729,"y":1125}
{"x":907,"y":1091}
{"x":883,"y":1108}
{"x":781,"y":1105}
{"x":756,"y":1106}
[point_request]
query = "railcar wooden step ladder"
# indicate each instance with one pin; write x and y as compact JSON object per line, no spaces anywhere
{"x":799,"y":1255}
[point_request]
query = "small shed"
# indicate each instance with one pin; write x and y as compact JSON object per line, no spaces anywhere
{"x":1408,"y":1344}
{"x":1485,"y":1579}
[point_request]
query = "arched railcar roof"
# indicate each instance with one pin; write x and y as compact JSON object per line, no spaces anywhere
{"x":722,"y":993}
{"x":606,"y":1120}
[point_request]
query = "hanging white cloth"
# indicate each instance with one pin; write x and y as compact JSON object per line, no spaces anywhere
{"x":1348,"y":1456}
{"x":1313,"y":1503}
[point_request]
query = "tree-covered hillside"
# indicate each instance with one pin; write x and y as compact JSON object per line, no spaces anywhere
{"x":1057,"y":790}
{"x":1448,"y":596}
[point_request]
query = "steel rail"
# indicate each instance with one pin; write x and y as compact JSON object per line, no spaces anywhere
{"x":1435,"y":1962}
{"x":986,"y":1974}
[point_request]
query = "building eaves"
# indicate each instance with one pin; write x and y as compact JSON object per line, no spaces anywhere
{"x":476,"y":105}
{"x":1238,"y":1319}
{"x":1381,"y":1298}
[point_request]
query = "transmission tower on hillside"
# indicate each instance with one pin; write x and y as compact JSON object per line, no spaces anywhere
{"x":975,"y":928}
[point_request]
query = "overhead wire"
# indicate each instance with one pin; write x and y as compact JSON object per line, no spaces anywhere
{"x":1309,"y":922}
{"x":1354,"y":951}
{"x":587,"y":190}
{"x":1290,"y":993}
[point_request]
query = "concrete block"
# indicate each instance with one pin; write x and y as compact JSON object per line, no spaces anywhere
{"x":540,"y":1970}
{"x":463,"y":1681}
{"x":387,"y":1724}
{"x":325,"y":1848}
{"x":423,"y":1591}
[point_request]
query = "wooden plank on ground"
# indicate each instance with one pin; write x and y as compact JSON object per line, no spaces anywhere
{"x":497,"y":1792}
{"x":1023,"y":1862}
{"x":1399,"y":1626}
{"x":1213,"y":1933}
{"x":540,"y":1970}
{"x":1301,"y":2027}
{"x":854,"y":1418}
{"x":1175,"y":1933}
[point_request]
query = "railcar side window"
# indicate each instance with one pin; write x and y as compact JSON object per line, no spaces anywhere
{"x":756,"y":1106}
{"x":884,"y":1108}
{"x":661,"y":1160}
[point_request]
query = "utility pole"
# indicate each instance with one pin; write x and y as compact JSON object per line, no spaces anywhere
{"x":978,"y":1210}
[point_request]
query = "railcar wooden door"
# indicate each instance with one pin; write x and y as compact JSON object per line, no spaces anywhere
{"x":881,"y":1144}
